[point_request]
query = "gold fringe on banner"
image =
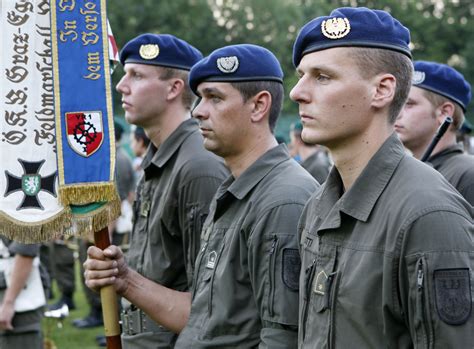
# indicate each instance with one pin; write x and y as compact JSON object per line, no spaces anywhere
{"x":83,"y":194}
{"x":35,"y":232}
{"x":85,"y":225}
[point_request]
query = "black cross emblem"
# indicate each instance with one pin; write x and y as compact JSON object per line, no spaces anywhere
{"x":30,"y":183}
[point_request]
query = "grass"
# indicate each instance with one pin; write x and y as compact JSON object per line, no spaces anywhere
{"x":64,"y":335}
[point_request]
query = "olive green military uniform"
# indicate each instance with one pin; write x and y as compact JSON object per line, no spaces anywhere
{"x":26,"y":331}
{"x":457,"y":168}
{"x":387,"y":264}
{"x":245,"y":290}
{"x":62,"y":261}
{"x":173,"y":197}
{"x":317,"y":165}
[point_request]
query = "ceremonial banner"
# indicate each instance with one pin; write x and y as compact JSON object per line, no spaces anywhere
{"x":57,"y":141}
{"x":29,"y":207}
{"x":83,"y":106}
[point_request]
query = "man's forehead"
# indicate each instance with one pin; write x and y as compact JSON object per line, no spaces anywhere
{"x":416,"y":92}
{"x":213,"y":86}
{"x":325,"y":59}
{"x":141,"y":67}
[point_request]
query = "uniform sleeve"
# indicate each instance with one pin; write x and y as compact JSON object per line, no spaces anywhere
{"x":274,"y":265}
{"x":27,"y":250}
{"x":467,"y":191}
{"x":436,"y":280}
{"x":194,"y":199}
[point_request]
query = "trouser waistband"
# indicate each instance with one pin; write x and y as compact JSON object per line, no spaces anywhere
{"x":135,"y":321}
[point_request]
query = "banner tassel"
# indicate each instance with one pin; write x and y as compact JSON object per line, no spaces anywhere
{"x":83,"y":194}
{"x":86,"y":224}
{"x":35,"y":232}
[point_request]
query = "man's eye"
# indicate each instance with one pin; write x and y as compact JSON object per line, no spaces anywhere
{"x":322,"y":78}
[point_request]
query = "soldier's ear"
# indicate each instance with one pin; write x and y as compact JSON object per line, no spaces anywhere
{"x":444,"y":110}
{"x":175,"y":88}
{"x":384,"y":90}
{"x":261,"y":104}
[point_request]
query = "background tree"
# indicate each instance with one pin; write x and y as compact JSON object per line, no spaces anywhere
{"x":441,"y":31}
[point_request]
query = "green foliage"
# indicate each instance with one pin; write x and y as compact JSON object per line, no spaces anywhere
{"x":441,"y":31}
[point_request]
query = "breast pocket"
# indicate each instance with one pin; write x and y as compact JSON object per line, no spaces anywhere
{"x":308,"y":270}
{"x":207,"y":263}
{"x":320,"y":280}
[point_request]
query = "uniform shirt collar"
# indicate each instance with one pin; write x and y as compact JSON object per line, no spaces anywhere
{"x":437,"y":159}
{"x":361,"y":198}
{"x":256,"y":172}
{"x":158,"y":157}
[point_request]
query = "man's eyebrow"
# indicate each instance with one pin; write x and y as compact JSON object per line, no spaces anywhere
{"x":209,"y":90}
{"x":318,"y":68}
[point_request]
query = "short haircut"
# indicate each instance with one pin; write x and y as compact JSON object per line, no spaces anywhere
{"x":373,"y":61}
{"x":140,"y":135}
{"x":248,"y":89}
{"x":188,"y":96}
{"x":436,"y":100}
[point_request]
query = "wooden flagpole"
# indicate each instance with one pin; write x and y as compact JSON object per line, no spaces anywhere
{"x":108,"y":298}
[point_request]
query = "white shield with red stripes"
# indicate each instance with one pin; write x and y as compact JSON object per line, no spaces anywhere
{"x":84,"y":131}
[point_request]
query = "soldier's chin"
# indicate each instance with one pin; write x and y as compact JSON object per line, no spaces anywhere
{"x":309,"y":137}
{"x":211,"y":146}
{"x":133,"y":119}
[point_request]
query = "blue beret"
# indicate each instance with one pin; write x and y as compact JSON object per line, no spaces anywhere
{"x":356,"y":27}
{"x":234,"y":63}
{"x":160,"y":49}
{"x":443,"y":80}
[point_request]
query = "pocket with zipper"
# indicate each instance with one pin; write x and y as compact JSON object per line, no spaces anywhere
{"x":213,"y":273}
{"x":423,"y":323}
{"x":271,"y":274}
{"x":308,"y":281}
{"x":198,"y":266}
{"x":331,"y":298}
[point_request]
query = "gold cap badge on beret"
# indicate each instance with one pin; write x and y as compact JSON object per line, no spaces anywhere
{"x":228,"y":64}
{"x":418,"y":77}
{"x":335,"y":28}
{"x":149,"y":51}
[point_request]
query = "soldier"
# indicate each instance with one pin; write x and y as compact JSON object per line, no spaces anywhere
{"x":245,"y":289}
{"x":180,"y":176}
{"x":438,"y":91}
{"x":61,"y":259}
{"x":139,"y":143}
{"x":125,"y":179}
{"x":313,"y":157}
{"x":386,"y":243}
{"x":20,"y":319}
